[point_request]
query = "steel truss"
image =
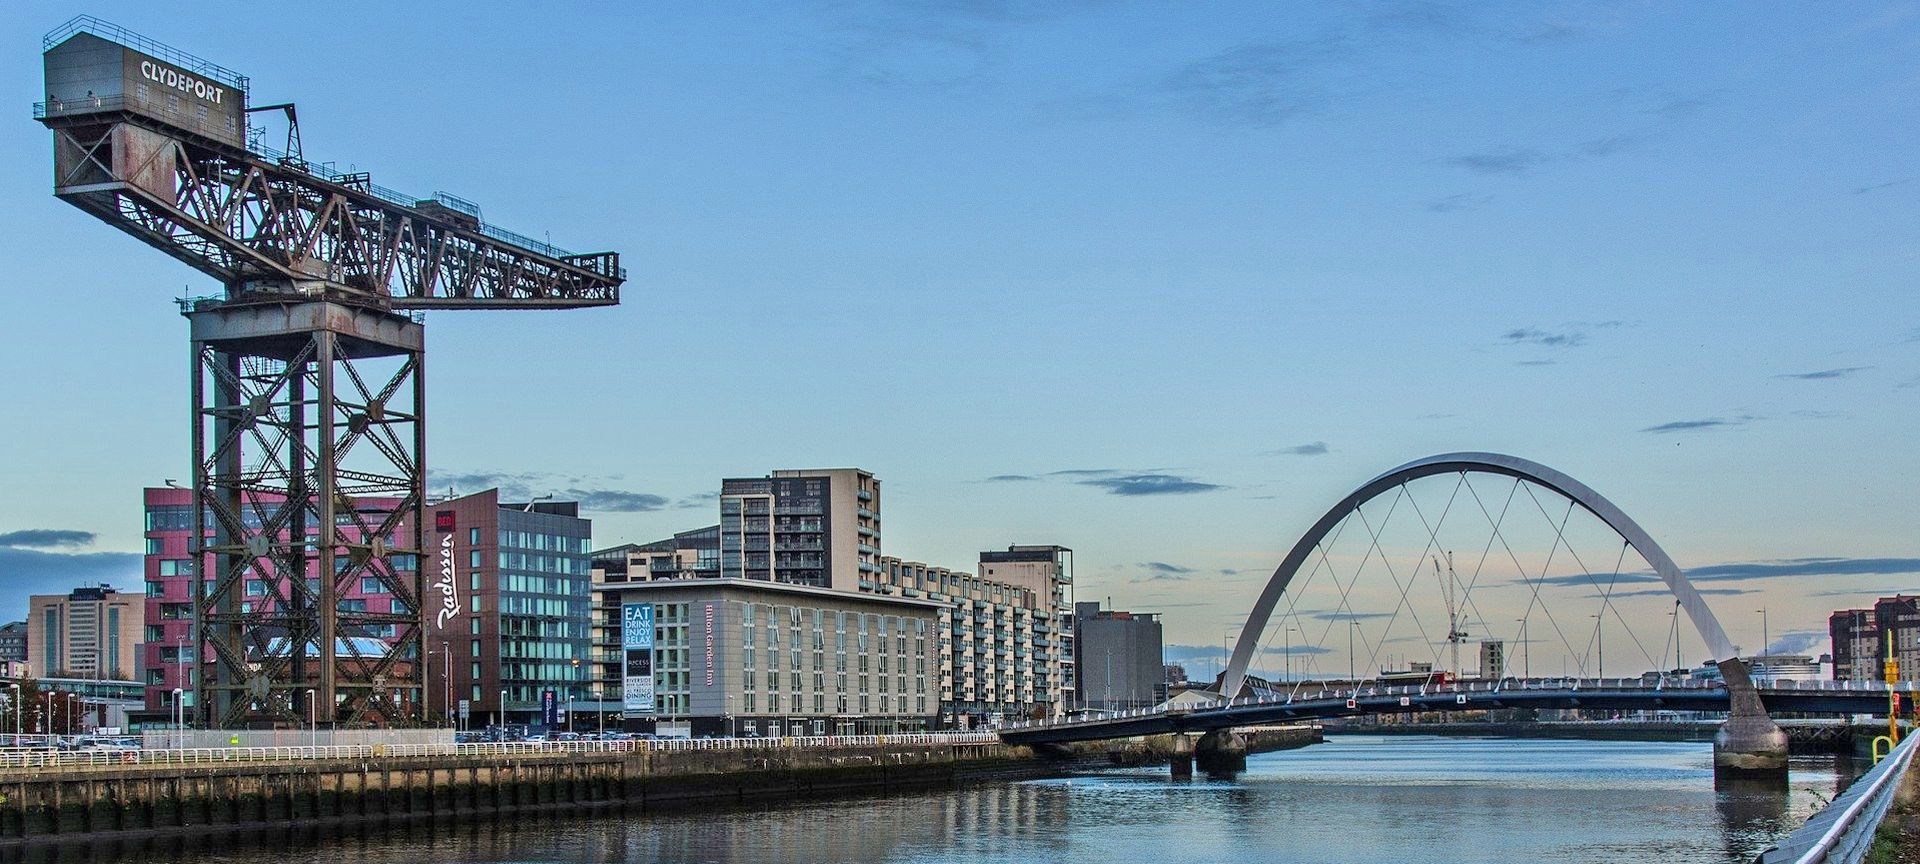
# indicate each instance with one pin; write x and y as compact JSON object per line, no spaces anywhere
{"x":265,"y":226}
{"x":309,"y":478}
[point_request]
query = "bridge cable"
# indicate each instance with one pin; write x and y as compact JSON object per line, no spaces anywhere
{"x":1525,"y":577}
{"x":1373,"y":652}
{"x":1433,"y":540}
{"x":1605,"y":597}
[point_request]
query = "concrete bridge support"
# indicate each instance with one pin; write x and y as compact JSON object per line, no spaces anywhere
{"x":1180,"y":755}
{"x":1749,"y":743}
{"x":1221,"y":751}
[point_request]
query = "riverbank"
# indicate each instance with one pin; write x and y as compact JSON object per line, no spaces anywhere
{"x":95,"y":802}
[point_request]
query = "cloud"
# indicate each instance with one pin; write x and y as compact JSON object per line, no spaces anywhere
{"x":1698,"y":425}
{"x":1086,"y":472}
{"x":698,"y":500}
{"x":531,"y":485}
{"x":1603,"y":147}
{"x":1798,"y":642}
{"x":1570,"y":335}
{"x":47,"y":538}
{"x":1826,"y":566}
{"x":1337,"y":615}
{"x":31,"y":571}
{"x":1010,"y":478}
{"x":1825,"y":374}
{"x":1662,"y":592}
{"x":1686,"y":106}
{"x":1498,"y":162}
{"x":1254,"y":85}
{"x":1164,"y":567}
{"x":1457,"y":202}
{"x":1862,"y":190}
{"x":1295,"y":650}
{"x":1149,"y":484}
{"x":1314,"y":448}
{"x":1908,"y":384}
{"x":1804,"y":568}
{"x":1541,"y":362}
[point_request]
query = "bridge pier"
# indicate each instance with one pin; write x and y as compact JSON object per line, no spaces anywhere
{"x":1749,"y":744}
{"x":1180,"y":756}
{"x":1221,"y":751}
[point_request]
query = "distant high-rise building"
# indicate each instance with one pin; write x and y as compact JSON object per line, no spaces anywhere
{"x":810,"y":527}
{"x":87,"y":633}
{"x":1493,"y":659}
{"x":1119,"y":658}
{"x":13,"y":641}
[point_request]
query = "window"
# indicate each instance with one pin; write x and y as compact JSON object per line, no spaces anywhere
{"x":156,"y":546}
{"x":155,"y":589}
{"x":371,"y":585}
{"x":473,"y":536}
{"x":473,"y":559}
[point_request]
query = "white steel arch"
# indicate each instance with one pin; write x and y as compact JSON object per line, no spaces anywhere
{"x":1481,"y":463}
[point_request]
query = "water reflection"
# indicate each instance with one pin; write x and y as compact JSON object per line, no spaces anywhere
{"x":1353,"y":799}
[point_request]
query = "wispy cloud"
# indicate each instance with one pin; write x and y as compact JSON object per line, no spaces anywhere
{"x":1457,"y":202}
{"x":1702,"y":425}
{"x":1862,"y":190}
{"x":590,"y":494}
{"x":1313,"y":448}
{"x":1572,"y":334}
{"x":1010,"y":478}
{"x":1149,"y":484}
{"x":1161,"y":571}
{"x":47,"y":538}
{"x":1541,"y":362}
{"x":1908,"y":384}
{"x":1743,"y":571}
{"x":1825,"y":374}
{"x":1258,"y":85}
{"x":1499,"y":162}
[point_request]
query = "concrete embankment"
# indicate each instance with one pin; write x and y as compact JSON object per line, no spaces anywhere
{"x":1801,"y":738}
{"x":59,"y":803}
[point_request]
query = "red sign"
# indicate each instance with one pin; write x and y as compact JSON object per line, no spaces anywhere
{"x":443,"y":521}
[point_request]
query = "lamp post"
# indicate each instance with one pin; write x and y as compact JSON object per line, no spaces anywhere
{"x":1600,"y":644}
{"x":15,"y":705}
{"x":446,"y":681}
{"x":46,"y":714}
{"x":1766,"y":639}
{"x":1526,"y":657}
{"x":1352,"y":675}
{"x":1287,"y":659}
{"x":503,"y":710}
{"x":313,"y":722}
{"x":573,"y":690}
{"x":180,"y":718}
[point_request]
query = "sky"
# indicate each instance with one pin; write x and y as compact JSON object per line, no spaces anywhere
{"x":1157,"y":282}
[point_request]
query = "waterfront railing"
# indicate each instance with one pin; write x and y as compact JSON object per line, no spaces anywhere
{"x":32,"y":759}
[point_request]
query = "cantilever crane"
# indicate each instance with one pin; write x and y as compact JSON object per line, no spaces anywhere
{"x":309,"y":425}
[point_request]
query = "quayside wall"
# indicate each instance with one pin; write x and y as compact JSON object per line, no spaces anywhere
{"x":60,"y":802}
{"x":1801,"y":737}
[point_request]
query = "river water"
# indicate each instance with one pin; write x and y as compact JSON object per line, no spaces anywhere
{"x":1352,"y":799}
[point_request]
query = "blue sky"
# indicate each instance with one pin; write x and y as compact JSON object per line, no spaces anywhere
{"x":1252,"y":254}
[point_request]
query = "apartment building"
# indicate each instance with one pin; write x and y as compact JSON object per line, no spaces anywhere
{"x":809,"y":527}
{"x":1120,"y":658}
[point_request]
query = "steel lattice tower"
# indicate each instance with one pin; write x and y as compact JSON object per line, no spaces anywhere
{"x":309,"y":409}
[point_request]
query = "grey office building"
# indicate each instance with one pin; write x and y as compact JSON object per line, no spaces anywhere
{"x":1119,"y":658}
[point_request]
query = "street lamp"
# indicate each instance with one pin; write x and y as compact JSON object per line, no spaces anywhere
{"x":1600,"y":643}
{"x":1766,"y":639}
{"x":503,"y":709}
{"x":180,"y":718}
{"x":1526,"y":657}
{"x":313,"y":722}
{"x":1352,"y":675}
{"x":573,"y":690}
{"x":1287,"y":659}
{"x":15,"y":705}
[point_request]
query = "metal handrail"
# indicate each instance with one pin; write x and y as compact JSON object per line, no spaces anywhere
{"x":24,"y":759}
{"x":1841,"y":828}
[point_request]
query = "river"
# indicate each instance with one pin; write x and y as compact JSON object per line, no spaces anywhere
{"x":1352,"y":799}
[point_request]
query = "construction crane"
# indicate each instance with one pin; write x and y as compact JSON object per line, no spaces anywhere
{"x":1450,"y":589}
{"x":309,"y":401}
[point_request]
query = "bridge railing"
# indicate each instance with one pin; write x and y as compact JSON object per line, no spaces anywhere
{"x":31,"y":759}
{"x":1324,"y":693}
{"x":1844,"y":831}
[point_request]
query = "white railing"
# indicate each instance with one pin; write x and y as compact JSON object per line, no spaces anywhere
{"x":1325,"y":693}
{"x":1844,"y":831}
{"x":25,"y":759}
